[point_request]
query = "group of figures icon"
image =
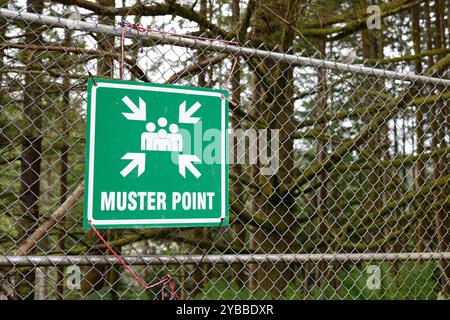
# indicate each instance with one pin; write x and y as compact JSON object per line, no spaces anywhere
{"x":161,"y":140}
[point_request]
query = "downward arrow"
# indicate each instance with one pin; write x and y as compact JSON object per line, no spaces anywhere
{"x":137,"y":113}
{"x":185,"y":116}
{"x":185,"y":161}
{"x":137,"y":160}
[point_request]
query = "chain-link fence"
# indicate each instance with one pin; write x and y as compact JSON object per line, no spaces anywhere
{"x":352,"y":203}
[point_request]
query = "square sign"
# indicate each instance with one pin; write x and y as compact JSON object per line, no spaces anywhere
{"x":156,"y":156}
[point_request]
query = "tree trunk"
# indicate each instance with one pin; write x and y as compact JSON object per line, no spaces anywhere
{"x":95,"y":277}
{"x":237,"y":188}
{"x":64,"y":170}
{"x":31,"y":153}
{"x":370,"y":48}
{"x":321,"y":154}
{"x":420,"y":134}
{"x":440,"y":28}
{"x":441,"y":168}
{"x":274,"y":104}
{"x":428,"y":31}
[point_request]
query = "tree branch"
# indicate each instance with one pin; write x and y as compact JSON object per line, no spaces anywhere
{"x":43,"y":230}
{"x":134,"y":68}
{"x":137,"y":9}
{"x":411,"y":57}
{"x":362,"y":216}
{"x":196,"y":68}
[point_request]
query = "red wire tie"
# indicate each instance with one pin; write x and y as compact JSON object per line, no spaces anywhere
{"x":167,"y":279}
{"x":122,"y":55}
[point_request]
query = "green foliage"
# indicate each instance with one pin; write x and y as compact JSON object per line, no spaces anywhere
{"x":412,"y":280}
{"x":221,"y":289}
{"x":417,"y":281}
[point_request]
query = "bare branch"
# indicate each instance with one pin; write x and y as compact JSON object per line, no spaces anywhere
{"x":44,"y":229}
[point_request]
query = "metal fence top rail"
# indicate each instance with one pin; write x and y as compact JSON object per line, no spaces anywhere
{"x":45,"y":261}
{"x":215,"y":46}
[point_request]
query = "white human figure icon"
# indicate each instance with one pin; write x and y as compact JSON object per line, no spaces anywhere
{"x":175,"y":138}
{"x":161,"y":140}
{"x":148,"y":138}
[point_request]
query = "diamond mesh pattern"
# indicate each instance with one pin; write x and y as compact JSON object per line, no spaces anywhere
{"x":349,"y":200}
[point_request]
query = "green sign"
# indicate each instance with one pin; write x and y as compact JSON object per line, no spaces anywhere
{"x":156,"y":155}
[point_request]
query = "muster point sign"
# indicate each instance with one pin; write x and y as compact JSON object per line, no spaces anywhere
{"x":156,"y":156}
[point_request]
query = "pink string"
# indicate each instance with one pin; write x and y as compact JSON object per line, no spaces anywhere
{"x":167,"y":279}
{"x":122,"y":56}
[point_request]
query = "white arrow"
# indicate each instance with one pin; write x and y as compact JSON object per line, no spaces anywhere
{"x":185,"y":116}
{"x":185,"y":161}
{"x":137,"y":160}
{"x":137,"y":113}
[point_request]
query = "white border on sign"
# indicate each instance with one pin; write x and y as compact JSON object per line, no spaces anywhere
{"x":92,"y":149}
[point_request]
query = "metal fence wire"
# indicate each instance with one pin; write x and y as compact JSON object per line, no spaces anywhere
{"x":353,"y":203}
